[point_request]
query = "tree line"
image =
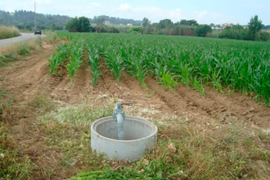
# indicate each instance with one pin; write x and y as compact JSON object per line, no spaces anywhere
{"x":192,"y":28}
{"x":252,"y":32}
{"x":183,"y":28}
{"x":83,"y":24}
{"x":165,"y":27}
{"x":25,"y":20}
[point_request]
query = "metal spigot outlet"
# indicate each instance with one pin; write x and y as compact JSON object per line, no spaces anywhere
{"x":119,"y":116}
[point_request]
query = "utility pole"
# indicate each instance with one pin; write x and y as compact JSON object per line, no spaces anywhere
{"x":35,"y":17}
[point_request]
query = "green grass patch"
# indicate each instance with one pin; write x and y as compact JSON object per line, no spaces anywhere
{"x":8,"y":57}
{"x":8,"y":32}
{"x":82,"y":115}
{"x":23,"y":49}
{"x":51,"y":37}
{"x":6,"y":102}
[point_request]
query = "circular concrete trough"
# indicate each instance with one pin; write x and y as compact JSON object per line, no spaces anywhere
{"x":139,"y":136}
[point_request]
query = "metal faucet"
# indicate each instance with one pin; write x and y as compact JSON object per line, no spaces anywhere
{"x":119,"y":116}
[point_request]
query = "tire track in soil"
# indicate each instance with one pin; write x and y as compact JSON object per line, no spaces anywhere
{"x":35,"y":78}
{"x":27,"y":76}
{"x":22,"y":66}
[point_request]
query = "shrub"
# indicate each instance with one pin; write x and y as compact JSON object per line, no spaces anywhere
{"x":135,"y":29}
{"x":235,"y":32}
{"x":51,"y":37}
{"x":203,"y":30}
{"x":263,"y":36}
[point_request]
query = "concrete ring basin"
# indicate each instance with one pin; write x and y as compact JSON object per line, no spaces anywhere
{"x":139,"y":136}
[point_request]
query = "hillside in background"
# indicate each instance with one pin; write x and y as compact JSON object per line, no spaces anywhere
{"x":117,"y":21}
{"x":25,"y":20}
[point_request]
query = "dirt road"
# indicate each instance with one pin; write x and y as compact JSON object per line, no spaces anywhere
{"x":23,"y":37}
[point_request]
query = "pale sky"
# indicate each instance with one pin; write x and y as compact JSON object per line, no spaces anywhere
{"x":204,"y":11}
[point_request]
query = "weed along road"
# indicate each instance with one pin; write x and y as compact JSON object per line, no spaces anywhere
{"x":23,"y":37}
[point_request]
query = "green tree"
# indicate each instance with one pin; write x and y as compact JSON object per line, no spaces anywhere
{"x":202,"y":30}
{"x":255,"y":25}
{"x":72,"y":25}
{"x":165,"y":23}
{"x":188,"y":22}
{"x":145,"y":22}
{"x":84,"y":25}
{"x":81,"y":24}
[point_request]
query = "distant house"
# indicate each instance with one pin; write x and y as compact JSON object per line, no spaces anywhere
{"x":107,"y":22}
{"x":129,"y":24}
{"x":216,"y":28}
{"x":226,"y":25}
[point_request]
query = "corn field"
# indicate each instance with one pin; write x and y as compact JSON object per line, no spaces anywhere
{"x":242,"y":66}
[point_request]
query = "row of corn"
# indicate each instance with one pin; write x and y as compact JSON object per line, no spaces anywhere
{"x":194,"y":62}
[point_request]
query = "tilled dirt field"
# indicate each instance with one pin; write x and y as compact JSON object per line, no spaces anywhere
{"x":26,"y":79}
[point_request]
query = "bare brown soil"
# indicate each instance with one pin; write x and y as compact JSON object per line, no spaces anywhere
{"x":27,"y":79}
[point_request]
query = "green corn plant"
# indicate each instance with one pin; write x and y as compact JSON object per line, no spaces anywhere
{"x":158,"y":68}
{"x":198,"y":85}
{"x":75,"y":61}
{"x":58,"y":58}
{"x":184,"y":73}
{"x":216,"y":81}
{"x":167,"y":81}
{"x":94,"y":64}
{"x":115,"y":64}
{"x":138,"y":70}
{"x":96,"y":73}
